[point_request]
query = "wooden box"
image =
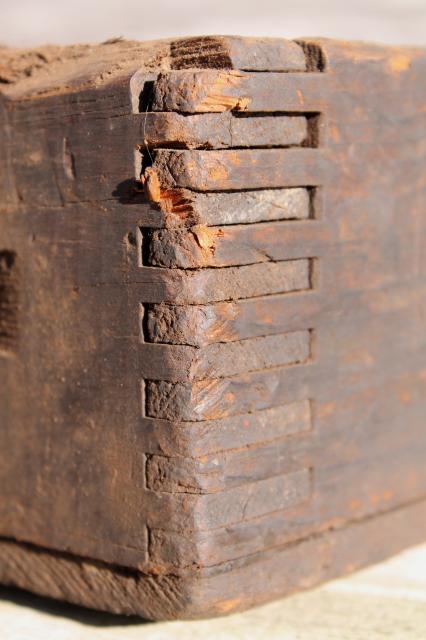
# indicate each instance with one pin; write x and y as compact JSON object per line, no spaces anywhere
{"x":212,"y":318}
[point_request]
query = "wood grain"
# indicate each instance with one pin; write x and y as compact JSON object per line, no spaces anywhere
{"x":181,"y":207}
{"x":238,"y":244}
{"x":221,"y":130}
{"x":245,"y":169}
{"x":255,"y":54}
{"x":212,"y":303}
{"x":215,"y":91}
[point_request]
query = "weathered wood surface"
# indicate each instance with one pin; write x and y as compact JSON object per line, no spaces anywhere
{"x":271,"y":314}
{"x":97,"y":586}
{"x":216,"y":91}
{"x":203,"y":286}
{"x":231,"y":170}
{"x":384,"y":602}
{"x":221,"y":130}
{"x":238,"y":244}
{"x":250,"y":54}
{"x":178,"y":362}
{"x":184,"y":207}
{"x":212,"y":346}
{"x":194,"y":439}
{"x":265,"y":315}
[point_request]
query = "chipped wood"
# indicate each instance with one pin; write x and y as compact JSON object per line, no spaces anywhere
{"x":239,"y":169}
{"x":219,"y":298}
{"x":184,"y":207}
{"x":215,"y":91}
{"x":238,"y":244}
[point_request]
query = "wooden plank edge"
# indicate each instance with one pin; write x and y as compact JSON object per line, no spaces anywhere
{"x":302,"y":565}
{"x":234,"y":52}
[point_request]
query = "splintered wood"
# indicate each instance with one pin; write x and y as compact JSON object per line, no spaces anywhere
{"x":212,"y":303}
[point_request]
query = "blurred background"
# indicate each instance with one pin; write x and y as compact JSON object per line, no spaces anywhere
{"x":34,"y":22}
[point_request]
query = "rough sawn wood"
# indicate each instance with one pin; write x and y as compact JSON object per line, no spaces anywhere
{"x":212,"y":304}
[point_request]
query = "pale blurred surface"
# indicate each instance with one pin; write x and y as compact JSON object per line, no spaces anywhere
{"x":32,"y":22}
{"x":387,"y":601}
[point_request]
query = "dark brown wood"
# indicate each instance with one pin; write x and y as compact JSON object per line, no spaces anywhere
{"x":315,"y":560}
{"x":212,"y":303}
{"x":156,"y":284}
{"x":238,"y":320}
{"x":218,"y":360}
{"x":216,"y":91}
{"x":184,"y":207}
{"x":231,"y":170}
{"x":221,"y":130}
{"x":250,"y":54}
{"x":238,"y":244}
